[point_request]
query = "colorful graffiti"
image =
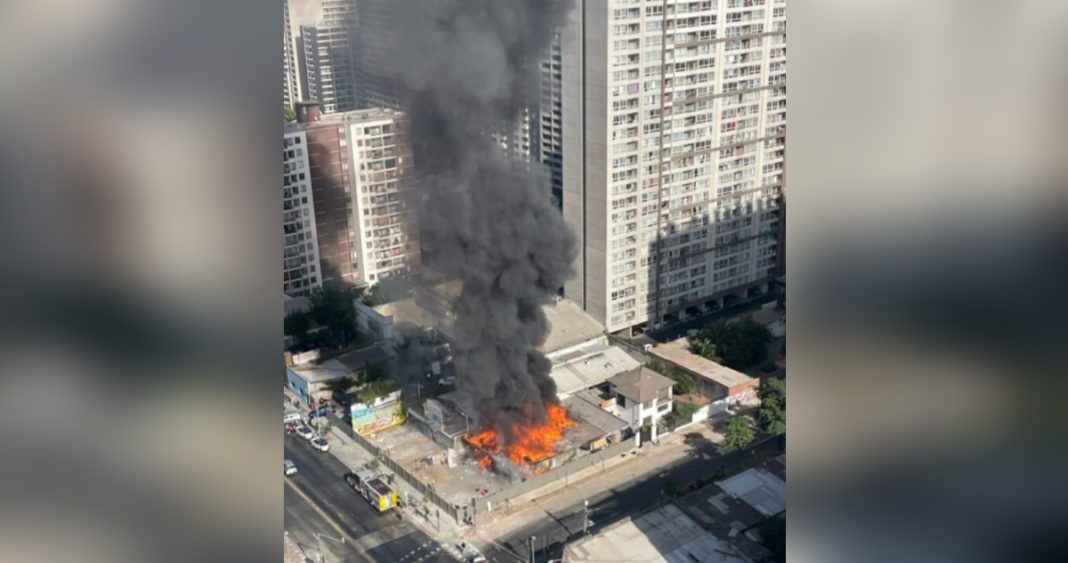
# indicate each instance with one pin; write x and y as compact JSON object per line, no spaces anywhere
{"x":367,"y":419}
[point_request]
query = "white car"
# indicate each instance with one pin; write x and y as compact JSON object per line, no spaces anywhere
{"x":291,"y":417}
{"x":305,"y":432}
{"x":289,"y":467}
{"x":447,"y":381}
{"x":320,"y":444}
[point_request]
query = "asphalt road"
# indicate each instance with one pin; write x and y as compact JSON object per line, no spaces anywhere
{"x":556,"y":529}
{"x":317,"y":500}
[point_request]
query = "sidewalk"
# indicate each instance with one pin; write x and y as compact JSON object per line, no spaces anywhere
{"x":642,"y":463}
{"x":355,"y":456}
{"x":523,"y":511}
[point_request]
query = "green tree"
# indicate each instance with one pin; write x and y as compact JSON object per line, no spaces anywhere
{"x":288,"y":114}
{"x":738,"y":345}
{"x":685,"y":410}
{"x":703,"y":346}
{"x":371,"y":391}
{"x":738,"y":434}
{"x":684,"y":383}
{"x":332,"y":308}
{"x":296,"y":324}
{"x":773,"y":535}
{"x":771,"y":416}
{"x":388,"y":291}
{"x":377,"y":372}
{"x":343,"y":384}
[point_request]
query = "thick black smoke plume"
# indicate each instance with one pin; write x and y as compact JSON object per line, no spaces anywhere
{"x":465,"y":69}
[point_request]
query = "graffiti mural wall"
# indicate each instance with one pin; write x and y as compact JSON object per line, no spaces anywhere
{"x":368,"y":419}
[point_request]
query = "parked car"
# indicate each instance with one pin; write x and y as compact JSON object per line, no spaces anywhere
{"x":291,"y":417}
{"x":321,"y":444}
{"x":342,"y":398}
{"x":322,"y":410}
{"x":289,"y":467}
{"x":447,"y":381}
{"x":305,"y":432}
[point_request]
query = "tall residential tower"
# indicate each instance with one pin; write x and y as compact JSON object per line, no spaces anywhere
{"x":290,"y":78}
{"x":329,"y":57}
{"x":359,"y":164}
{"x":674,"y":121}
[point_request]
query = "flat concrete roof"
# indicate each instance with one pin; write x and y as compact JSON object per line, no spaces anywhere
{"x":665,"y":535}
{"x":678,"y":352}
{"x":329,"y":370}
{"x":568,"y":325}
{"x":407,"y":311}
{"x":366,"y":115}
{"x":758,"y":488}
{"x":604,"y":421}
{"x":591,"y":369}
{"x":359,"y":359}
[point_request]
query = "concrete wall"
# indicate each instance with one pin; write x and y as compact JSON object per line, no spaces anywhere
{"x":298,"y":384}
{"x":555,"y":479}
{"x":381,"y":326}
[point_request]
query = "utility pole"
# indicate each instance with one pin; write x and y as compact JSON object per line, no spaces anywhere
{"x":531,"y":541}
{"x":585,"y":516}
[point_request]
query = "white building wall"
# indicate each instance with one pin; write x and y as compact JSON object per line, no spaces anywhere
{"x":674,"y":135}
{"x":384,"y":215}
{"x":300,"y":249}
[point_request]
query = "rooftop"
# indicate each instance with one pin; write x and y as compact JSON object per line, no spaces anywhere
{"x":359,"y":359}
{"x":678,"y":352}
{"x":355,"y":116}
{"x":663,"y":535}
{"x":407,"y":311}
{"x":568,"y":325}
{"x":641,"y":384}
{"x":604,"y":421}
{"x":591,"y":369}
{"x":758,"y":488}
{"x":291,"y":304}
{"x":329,"y":370}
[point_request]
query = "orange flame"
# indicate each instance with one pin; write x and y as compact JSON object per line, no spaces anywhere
{"x":532,"y":442}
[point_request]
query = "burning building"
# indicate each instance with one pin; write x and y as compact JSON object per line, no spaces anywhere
{"x":570,"y":428}
{"x":532,"y":442}
{"x":460,"y":69}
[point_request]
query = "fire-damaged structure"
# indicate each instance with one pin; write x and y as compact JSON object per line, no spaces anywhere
{"x":573,"y":428}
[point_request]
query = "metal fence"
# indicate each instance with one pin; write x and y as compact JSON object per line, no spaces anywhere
{"x":460,"y":513}
{"x":450,"y":510}
{"x":502,"y":497}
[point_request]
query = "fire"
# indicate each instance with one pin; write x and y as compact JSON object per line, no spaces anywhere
{"x":533,"y":442}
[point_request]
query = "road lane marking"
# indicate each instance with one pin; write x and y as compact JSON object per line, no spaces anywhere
{"x":329,"y":520}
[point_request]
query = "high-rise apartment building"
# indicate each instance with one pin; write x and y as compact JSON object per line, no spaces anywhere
{"x":300,"y":249}
{"x":548,"y":128}
{"x":290,"y":78}
{"x":329,"y":57}
{"x":378,"y":84}
{"x":360,"y":168}
{"x":674,"y":120}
